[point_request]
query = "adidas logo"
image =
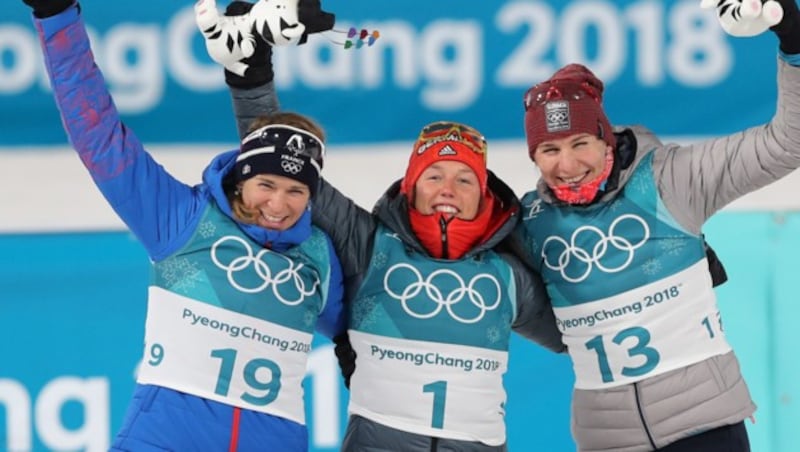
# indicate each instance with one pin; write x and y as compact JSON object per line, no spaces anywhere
{"x":447,"y":150}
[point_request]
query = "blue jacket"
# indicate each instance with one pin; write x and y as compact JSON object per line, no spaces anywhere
{"x":166,"y":216}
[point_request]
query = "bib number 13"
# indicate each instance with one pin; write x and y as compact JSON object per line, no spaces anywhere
{"x":640,"y":348}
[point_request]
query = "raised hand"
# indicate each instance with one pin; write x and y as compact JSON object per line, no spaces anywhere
{"x":788,"y":29}
{"x":277,"y":21}
{"x":316,"y":20}
{"x":288,"y":22}
{"x":47,"y":8}
{"x":229,"y":39}
{"x":747,"y":17}
{"x":241,"y":39}
{"x":232,"y":41}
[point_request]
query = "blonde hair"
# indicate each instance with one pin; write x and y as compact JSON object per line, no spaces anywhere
{"x":239,"y":210}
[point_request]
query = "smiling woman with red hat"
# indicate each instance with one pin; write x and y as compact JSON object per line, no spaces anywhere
{"x":430,"y":295}
{"x":569,"y":136}
{"x":446,"y":182}
{"x":614,"y":227}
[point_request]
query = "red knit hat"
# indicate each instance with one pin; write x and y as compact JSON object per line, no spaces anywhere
{"x":445,"y":140}
{"x":570,"y":102}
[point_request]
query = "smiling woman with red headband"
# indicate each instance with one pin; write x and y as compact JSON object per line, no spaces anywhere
{"x":446,"y":180}
{"x":431,"y":296}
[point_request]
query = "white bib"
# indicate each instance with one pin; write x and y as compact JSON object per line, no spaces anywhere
{"x":432,"y":389}
{"x":653,"y":329}
{"x":217,"y":354}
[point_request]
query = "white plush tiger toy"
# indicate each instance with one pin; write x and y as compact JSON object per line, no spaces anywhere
{"x":744,"y":18}
{"x":229,"y":39}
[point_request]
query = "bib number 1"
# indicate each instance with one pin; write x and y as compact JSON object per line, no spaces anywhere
{"x":439,"y":390}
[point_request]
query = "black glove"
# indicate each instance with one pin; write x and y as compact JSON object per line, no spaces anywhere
{"x":715,"y":267}
{"x":47,"y":8}
{"x":346,"y":357}
{"x":259,"y":66}
{"x":788,"y":29}
{"x":310,"y":14}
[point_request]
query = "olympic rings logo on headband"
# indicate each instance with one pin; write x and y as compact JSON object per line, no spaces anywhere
{"x":434,"y":299}
{"x":291,"y":167}
{"x":281,"y":282}
{"x":565,"y":251}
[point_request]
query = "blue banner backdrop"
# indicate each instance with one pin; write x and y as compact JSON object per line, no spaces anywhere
{"x":464,"y":60}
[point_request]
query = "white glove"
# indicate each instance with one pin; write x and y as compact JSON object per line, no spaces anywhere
{"x":219,"y":30}
{"x":278,"y":21}
{"x":232,"y":39}
{"x":743,"y":18}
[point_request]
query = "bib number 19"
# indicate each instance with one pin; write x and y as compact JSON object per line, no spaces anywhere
{"x":267,"y":390}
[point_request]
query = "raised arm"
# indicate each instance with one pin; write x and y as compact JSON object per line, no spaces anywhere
{"x":249,"y":76}
{"x":141,"y":192}
{"x":248,"y":60}
{"x":248,"y":64}
{"x":697,"y":180}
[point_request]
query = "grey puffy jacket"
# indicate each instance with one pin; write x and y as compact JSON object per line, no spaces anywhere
{"x":694,"y":182}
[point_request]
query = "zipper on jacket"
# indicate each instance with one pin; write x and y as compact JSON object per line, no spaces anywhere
{"x":434,"y":444}
{"x":443,"y":228}
{"x":641,"y":415}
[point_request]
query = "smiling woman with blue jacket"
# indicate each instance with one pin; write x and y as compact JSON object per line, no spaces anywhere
{"x":240,"y":276}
